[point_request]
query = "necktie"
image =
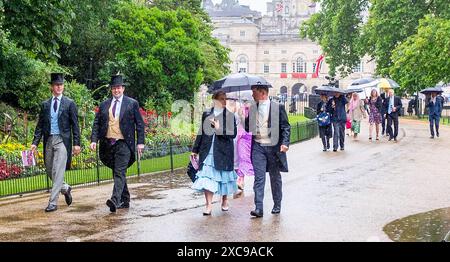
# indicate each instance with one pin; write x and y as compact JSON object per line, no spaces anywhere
{"x":55,"y":104}
{"x":114,"y":108}
{"x":391,"y":105}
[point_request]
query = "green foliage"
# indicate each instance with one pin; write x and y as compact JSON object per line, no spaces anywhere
{"x":157,"y":51}
{"x":337,"y":28}
{"x":423,"y":59}
{"x":39,"y":26}
{"x":390,"y":23}
{"x":85,"y":103}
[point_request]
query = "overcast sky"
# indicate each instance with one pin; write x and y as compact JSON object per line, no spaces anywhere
{"x":258,"y":5}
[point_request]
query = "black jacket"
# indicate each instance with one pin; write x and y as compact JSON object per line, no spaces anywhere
{"x":223,"y":143}
{"x":131,"y":124}
{"x":67,"y":122}
{"x":397,"y":105}
{"x":378,"y":104}
{"x":279,"y":118}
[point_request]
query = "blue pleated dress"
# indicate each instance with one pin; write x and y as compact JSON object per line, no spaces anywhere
{"x":217,"y":181}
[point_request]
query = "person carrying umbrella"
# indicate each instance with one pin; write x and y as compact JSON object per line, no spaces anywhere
{"x":434,"y":105}
{"x":336,"y":107}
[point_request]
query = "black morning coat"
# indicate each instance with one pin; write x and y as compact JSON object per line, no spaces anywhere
{"x":131,"y":125}
{"x":223,"y":142}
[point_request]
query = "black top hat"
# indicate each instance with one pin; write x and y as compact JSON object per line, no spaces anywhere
{"x":56,"y":78}
{"x":116,"y":80}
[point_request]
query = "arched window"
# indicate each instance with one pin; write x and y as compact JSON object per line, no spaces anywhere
{"x":242,"y":64}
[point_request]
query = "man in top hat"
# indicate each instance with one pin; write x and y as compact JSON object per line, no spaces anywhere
{"x":116,"y":125}
{"x":58,"y":124}
{"x":392,"y":107}
{"x":435,"y":104}
{"x":271,"y":131}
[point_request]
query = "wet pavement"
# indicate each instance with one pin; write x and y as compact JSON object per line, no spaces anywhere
{"x":373,"y":191}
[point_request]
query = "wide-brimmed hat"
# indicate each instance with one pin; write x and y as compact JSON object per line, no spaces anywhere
{"x":116,"y":80}
{"x":56,"y":78}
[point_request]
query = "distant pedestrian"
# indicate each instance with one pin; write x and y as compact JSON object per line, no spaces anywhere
{"x":336,"y":106}
{"x":435,"y":105}
{"x":357,"y":113}
{"x":325,"y":130}
{"x":393,"y":106}
{"x":375,"y":107}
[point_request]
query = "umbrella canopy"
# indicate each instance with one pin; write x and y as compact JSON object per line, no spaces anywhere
{"x":387,"y":83}
{"x":245,"y":95}
{"x":238,"y":82}
{"x":328,"y":90}
{"x":431,"y":90}
{"x":362,"y":81}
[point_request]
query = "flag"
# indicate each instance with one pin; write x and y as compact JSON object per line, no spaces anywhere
{"x":318,"y":65}
{"x":279,"y":7}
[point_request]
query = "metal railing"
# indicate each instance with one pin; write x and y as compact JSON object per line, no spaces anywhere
{"x":87,"y":169}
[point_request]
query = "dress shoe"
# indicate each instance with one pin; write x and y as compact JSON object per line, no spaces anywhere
{"x":68,"y":196}
{"x":324,"y":150}
{"x":276,"y":210}
{"x":432,"y":137}
{"x":342,"y":149}
{"x":124,"y":205}
{"x":334,"y":150}
{"x":256,"y":213}
{"x":112,"y":206}
{"x":395,"y":139}
{"x":390,"y":138}
{"x":51,"y":208}
{"x":437,"y":134}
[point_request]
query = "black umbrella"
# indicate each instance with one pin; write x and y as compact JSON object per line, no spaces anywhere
{"x":238,"y":82}
{"x":353,"y":90}
{"x":328,"y":90}
{"x":431,"y":90}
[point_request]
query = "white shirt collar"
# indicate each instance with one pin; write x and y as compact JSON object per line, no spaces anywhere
{"x":59,"y":97}
{"x":120,"y":99}
{"x":264,"y":102}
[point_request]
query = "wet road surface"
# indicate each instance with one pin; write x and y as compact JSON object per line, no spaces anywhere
{"x":373,"y":191}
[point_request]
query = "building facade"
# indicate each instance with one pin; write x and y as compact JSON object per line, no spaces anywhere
{"x":269,"y":45}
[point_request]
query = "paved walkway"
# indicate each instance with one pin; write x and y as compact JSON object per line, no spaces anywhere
{"x":365,"y":193}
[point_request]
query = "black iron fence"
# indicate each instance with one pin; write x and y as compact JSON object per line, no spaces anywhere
{"x":87,"y":169}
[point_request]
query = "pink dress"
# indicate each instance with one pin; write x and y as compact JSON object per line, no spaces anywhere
{"x":244,"y":150}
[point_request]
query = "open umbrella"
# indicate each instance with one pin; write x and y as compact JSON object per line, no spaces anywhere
{"x":328,"y":90}
{"x":431,"y":90}
{"x":362,"y":81}
{"x":387,"y":83}
{"x":238,"y":82}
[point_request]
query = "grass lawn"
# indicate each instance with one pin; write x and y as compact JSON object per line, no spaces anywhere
{"x":87,"y":176}
{"x":424,"y":118}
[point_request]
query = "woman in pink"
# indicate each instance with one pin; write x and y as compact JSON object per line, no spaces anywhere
{"x":244,"y":148}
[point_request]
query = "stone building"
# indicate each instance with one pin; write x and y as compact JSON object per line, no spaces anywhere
{"x":269,"y":44}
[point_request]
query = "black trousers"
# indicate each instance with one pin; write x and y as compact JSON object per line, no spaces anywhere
{"x":434,"y":122}
{"x":392,"y":119}
{"x":122,"y":154}
{"x":265,"y":158}
{"x":383,"y":124}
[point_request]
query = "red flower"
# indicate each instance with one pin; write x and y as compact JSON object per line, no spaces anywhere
{"x":96,"y":109}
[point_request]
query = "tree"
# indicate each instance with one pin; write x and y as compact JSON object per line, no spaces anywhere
{"x":90,"y":45}
{"x":337,"y":30}
{"x":423,"y":59}
{"x":157,"y":51}
{"x":217,"y":61}
{"x":39,"y":26}
{"x":390,"y":23}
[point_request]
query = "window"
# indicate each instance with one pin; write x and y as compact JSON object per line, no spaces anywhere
{"x":266,"y":52}
{"x":242,"y":33}
{"x":266,"y":69}
{"x":299,"y":66}
{"x":242,"y":65}
{"x":315,"y":52}
{"x":359,"y":68}
{"x":314,"y":67}
{"x":284,"y":52}
{"x":283,"y":68}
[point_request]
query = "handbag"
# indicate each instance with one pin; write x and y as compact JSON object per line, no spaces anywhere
{"x":324,"y":119}
{"x":192,"y":168}
{"x":348,"y":124}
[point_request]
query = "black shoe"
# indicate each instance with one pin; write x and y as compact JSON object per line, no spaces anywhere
{"x":68,"y":196}
{"x":432,"y":137}
{"x":437,"y":134}
{"x":256,"y":213}
{"x":124,"y":205}
{"x":334,"y":150}
{"x":324,"y":150}
{"x":342,"y":149}
{"x":112,"y":206}
{"x":395,"y":139}
{"x":276,"y":210}
{"x":51,"y":208}
{"x":390,"y":138}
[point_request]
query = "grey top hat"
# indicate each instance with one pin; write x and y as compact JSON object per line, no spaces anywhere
{"x":56,"y":78}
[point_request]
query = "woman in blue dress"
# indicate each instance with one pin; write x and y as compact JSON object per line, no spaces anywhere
{"x":215,"y":149}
